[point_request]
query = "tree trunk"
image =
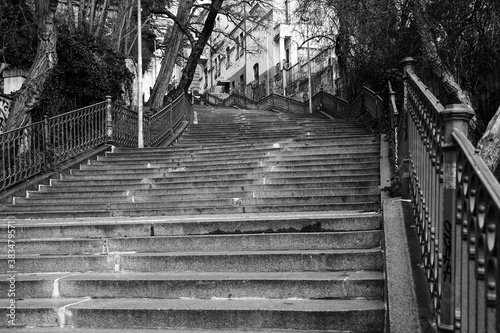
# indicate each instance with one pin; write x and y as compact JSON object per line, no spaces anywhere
{"x":102,"y":19}
{"x":175,"y":38}
{"x":81,"y":14}
{"x":71,"y":16}
{"x":92,"y":16}
{"x":489,"y":144}
{"x":341,"y":50}
{"x":197,"y":51}
{"x":432,"y":55}
{"x":29,"y":95}
{"x":131,"y":96}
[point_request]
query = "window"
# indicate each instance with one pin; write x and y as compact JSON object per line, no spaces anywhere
{"x":242,"y":83}
{"x":205,"y":72}
{"x":216,"y":67}
{"x":256,"y":72}
{"x":242,"y":43}
{"x":228,"y":57}
{"x":219,"y":61}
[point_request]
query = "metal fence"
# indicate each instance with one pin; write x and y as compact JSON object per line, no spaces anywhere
{"x":367,"y":104}
{"x":456,"y":202}
{"x":43,"y":146}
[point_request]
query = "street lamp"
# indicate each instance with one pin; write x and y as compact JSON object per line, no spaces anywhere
{"x":140,"y":130}
{"x":306,"y":19}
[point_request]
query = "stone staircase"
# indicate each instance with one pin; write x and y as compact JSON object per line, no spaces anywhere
{"x":253,"y":221}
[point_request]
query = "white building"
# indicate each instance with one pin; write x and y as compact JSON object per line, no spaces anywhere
{"x":250,"y":57}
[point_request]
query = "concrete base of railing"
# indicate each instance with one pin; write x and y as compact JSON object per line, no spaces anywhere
{"x":44,"y":179}
{"x":408,"y":301}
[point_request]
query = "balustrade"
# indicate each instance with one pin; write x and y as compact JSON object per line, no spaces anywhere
{"x":456,"y":202}
{"x":43,"y":146}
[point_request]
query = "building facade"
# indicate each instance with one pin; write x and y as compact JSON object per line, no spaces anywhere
{"x":265,"y":53}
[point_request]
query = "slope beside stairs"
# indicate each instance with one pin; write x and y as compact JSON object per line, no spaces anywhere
{"x":253,"y":221}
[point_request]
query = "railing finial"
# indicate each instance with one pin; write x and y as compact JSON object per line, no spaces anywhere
{"x":455,"y":117}
{"x":408,"y":64}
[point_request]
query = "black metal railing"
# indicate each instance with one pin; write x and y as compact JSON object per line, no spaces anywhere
{"x":43,"y":146}
{"x":456,"y":202}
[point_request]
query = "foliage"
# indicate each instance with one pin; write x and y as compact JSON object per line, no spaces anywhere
{"x":18,"y":38}
{"x":86,"y":73}
{"x":373,"y":36}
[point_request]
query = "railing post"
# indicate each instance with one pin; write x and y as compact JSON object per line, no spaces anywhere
{"x":109,"y":119}
{"x":321,"y":99}
{"x":46,"y":134}
{"x":455,"y":117}
{"x":403,"y":153}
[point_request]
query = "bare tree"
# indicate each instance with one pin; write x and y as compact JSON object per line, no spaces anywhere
{"x":28,"y":97}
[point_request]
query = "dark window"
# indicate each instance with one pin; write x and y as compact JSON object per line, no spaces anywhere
{"x":256,"y":72}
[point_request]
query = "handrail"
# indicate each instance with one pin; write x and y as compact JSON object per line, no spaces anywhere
{"x":456,"y":202}
{"x":326,"y":102}
{"x":43,"y":146}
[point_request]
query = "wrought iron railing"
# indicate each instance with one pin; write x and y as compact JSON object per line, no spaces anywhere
{"x":367,"y":104}
{"x":456,"y":202}
{"x":43,"y":146}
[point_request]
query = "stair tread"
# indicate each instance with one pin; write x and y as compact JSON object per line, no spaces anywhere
{"x":197,"y":276}
{"x":210,"y":253}
{"x":261,"y":304}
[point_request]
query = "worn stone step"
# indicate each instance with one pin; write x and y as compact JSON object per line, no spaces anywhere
{"x":215,"y":174}
{"x":355,"y":315}
{"x":241,"y":261}
{"x":265,"y":152}
{"x":263,"y":165}
{"x":144,"y":202}
{"x":244,"y":160}
{"x":332,"y":181}
{"x":194,"y":170}
{"x":245,"y":157}
{"x":25,"y":212}
{"x":231,"y":146}
{"x":195,"y":225}
{"x":103,"y":193}
{"x":23,"y":329}
{"x":332,"y":160}
{"x":209,"y":243}
{"x":200,"y":285}
{"x":65,"y":189}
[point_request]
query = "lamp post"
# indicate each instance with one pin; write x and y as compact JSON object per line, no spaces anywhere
{"x":140,"y":130}
{"x":306,"y":20}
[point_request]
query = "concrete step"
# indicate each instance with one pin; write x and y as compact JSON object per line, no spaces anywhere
{"x":181,"y":174}
{"x":75,"y":185}
{"x":110,"y":330}
{"x":200,"y":285}
{"x":195,"y":171}
{"x":242,"y":261}
{"x":209,"y":243}
{"x":241,"y":160}
{"x":195,"y":225}
{"x":270,"y":153}
{"x":263,"y":151}
{"x":283,"y":156}
{"x":184,"y":201}
{"x":102,"y":193}
{"x":131,"y":164}
{"x":296,"y":314}
{"x":206,"y":145}
{"x":25,"y":212}
{"x":129,"y":168}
